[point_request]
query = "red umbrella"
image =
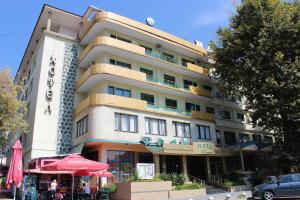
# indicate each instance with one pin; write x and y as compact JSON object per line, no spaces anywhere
{"x":75,"y":162}
{"x":101,"y":173}
{"x":15,"y":172}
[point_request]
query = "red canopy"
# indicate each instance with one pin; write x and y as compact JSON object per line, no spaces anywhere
{"x":101,"y":173}
{"x":15,"y":172}
{"x":75,"y":162}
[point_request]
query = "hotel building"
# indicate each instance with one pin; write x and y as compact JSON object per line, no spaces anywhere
{"x":123,"y":92}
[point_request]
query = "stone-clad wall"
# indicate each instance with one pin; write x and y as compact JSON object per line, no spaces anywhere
{"x":65,"y":120}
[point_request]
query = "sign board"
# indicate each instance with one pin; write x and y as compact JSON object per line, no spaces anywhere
{"x":197,"y":148}
{"x":204,"y":148}
{"x":145,"y":170}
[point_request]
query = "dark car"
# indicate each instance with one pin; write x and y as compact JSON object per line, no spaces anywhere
{"x":285,"y":186}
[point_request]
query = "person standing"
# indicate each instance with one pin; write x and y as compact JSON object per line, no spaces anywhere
{"x":53,"y":187}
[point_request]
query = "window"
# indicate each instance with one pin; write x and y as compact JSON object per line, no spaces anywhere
{"x":186,"y":84}
{"x":244,"y":137}
{"x":268,"y":139}
{"x":182,"y":129}
{"x":30,"y":87}
{"x":240,"y":116}
{"x":207,"y":87}
{"x":229,"y":138}
{"x":210,"y":110}
{"x":149,"y":73}
{"x":155,"y":126}
{"x":119,"y":63}
{"x":286,"y":179}
{"x":204,"y":132}
{"x":148,"y":97}
{"x":218,"y":136}
{"x":120,"y":38}
{"x":170,"y":103}
{"x":296,"y":177}
{"x":126,"y":123}
{"x":257,"y":138}
{"x":190,"y":106}
{"x":170,"y":80}
{"x":147,"y":49}
{"x":119,"y":91}
{"x":82,"y":126}
{"x":167,"y":57}
{"x":185,"y":61}
{"x":226,"y":115}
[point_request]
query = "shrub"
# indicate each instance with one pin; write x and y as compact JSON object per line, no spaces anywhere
{"x":176,"y":179}
{"x":134,"y":177}
{"x":190,"y":186}
{"x":228,"y":184}
{"x":110,"y":188}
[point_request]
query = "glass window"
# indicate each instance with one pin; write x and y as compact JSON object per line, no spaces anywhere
{"x":120,"y":38}
{"x":207,"y":87}
{"x":121,"y":165}
{"x":229,"y":138}
{"x":204,"y":132}
{"x":148,"y":97}
{"x":119,"y":91}
{"x":218,"y":136}
{"x":244,"y":137}
{"x":182,"y":129}
{"x":240,"y":116}
{"x":155,"y":126}
{"x":126,"y":123}
{"x":82,"y":126}
{"x":167,"y":57}
{"x":120,"y":63}
{"x":147,"y":49}
{"x":286,"y":179}
{"x":210,"y":110}
{"x":185,"y":61}
{"x":170,"y":103}
{"x":148,"y":72}
{"x":257,"y":138}
{"x":268,"y":139}
{"x":170,"y":80}
{"x":190,"y":106}
{"x":296,"y":177}
{"x":226,"y":115}
{"x":186,"y":84}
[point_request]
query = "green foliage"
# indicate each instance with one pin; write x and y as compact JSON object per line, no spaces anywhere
{"x":176,"y":179}
{"x":235,"y":179}
{"x":189,"y":186}
{"x":134,"y":177}
{"x":258,"y":54}
{"x":110,"y":188}
{"x":228,"y":184}
{"x":12,"y":111}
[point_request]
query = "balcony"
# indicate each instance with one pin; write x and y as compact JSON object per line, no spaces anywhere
{"x":103,"y":69}
{"x":100,"y":72}
{"x":198,"y":69}
{"x":202,"y":116}
{"x":110,"y":100}
{"x":104,"y":43}
{"x":199,"y":91}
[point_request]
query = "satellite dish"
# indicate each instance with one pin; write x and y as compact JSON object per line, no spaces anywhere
{"x":150,"y":21}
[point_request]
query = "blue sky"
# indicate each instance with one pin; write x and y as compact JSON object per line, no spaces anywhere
{"x":189,"y":19}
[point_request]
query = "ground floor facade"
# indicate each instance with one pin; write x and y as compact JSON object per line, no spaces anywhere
{"x":123,"y":159}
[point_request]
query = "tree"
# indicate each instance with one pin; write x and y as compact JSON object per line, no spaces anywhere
{"x":258,"y":54}
{"x":12,"y":110}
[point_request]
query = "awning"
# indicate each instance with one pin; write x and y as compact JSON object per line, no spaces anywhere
{"x":266,"y":148}
{"x":248,"y":146}
{"x":39,"y":171}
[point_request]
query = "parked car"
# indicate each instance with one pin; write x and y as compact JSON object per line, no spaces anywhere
{"x":285,"y":186}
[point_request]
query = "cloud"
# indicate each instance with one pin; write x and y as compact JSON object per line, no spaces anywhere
{"x":215,"y":15}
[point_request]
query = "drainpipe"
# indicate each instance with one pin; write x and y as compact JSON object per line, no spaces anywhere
{"x":242,"y":160}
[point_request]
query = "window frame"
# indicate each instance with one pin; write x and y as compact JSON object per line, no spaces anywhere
{"x":82,"y":126}
{"x":152,"y":96}
{"x":114,"y":90}
{"x":175,"y":125}
{"x":158,"y":123}
{"x":119,"y":126}
{"x":170,"y":107}
{"x":204,"y":128}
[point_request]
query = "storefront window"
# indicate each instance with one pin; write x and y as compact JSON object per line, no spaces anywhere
{"x":121,"y":164}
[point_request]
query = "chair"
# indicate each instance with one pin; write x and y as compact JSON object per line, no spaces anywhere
{"x":104,"y":194}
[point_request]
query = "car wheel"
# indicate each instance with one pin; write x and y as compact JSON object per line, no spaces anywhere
{"x":268,"y":195}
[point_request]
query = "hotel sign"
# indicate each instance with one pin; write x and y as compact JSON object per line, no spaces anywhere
{"x":197,"y":148}
{"x":50,"y":83}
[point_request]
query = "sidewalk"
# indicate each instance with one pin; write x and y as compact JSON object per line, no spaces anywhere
{"x":221,"y":196}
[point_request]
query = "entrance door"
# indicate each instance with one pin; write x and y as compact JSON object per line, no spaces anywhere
{"x":196,"y":167}
{"x":173,"y":164}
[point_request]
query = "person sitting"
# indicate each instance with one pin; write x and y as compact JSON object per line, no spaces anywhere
{"x":86,"y":188}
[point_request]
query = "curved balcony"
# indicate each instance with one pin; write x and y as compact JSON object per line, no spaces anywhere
{"x":100,"y":72}
{"x":107,"y":20}
{"x":137,"y":104}
{"x":139,"y":54}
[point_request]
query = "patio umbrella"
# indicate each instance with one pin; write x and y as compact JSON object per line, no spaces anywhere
{"x":101,"y":173}
{"x":15,"y":172}
{"x":75,"y":162}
